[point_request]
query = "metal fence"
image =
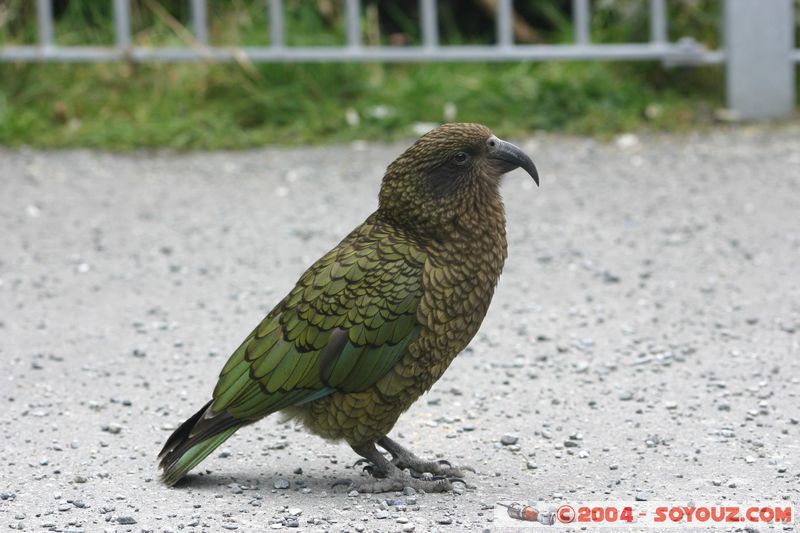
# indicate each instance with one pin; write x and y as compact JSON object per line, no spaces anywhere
{"x":759,"y":53}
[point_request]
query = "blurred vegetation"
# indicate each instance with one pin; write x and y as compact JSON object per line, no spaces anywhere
{"x":124,"y":105}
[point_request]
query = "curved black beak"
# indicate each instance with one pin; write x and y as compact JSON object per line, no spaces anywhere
{"x":511,"y":157}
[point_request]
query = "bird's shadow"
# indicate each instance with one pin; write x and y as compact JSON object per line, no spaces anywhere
{"x":268,"y":481}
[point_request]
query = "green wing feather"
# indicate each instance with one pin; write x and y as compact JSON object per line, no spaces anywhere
{"x":344,"y":325}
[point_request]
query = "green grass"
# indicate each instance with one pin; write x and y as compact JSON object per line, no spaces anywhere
{"x":222,"y":106}
{"x":188,"y":106}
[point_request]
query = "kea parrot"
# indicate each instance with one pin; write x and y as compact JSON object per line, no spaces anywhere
{"x":377,"y":320}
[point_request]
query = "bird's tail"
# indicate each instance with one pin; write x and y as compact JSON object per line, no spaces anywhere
{"x":193,"y":441}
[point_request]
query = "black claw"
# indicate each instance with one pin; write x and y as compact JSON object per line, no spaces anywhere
{"x":445,"y":462}
{"x":360,"y":461}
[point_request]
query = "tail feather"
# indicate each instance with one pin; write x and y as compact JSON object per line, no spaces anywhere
{"x":193,"y":441}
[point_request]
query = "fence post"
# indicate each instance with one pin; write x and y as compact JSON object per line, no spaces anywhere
{"x":759,"y":40}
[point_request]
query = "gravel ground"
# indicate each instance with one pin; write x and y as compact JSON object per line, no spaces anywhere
{"x":643,"y":342}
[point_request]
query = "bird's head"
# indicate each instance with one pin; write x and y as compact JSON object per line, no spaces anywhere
{"x":450,"y":171}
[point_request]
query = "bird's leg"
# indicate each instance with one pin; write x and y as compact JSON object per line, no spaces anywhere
{"x":403,"y":458}
{"x":393,"y":478}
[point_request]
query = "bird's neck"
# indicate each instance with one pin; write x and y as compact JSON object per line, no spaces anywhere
{"x":479,"y":230}
{"x":473,"y":223}
{"x":483,"y":212}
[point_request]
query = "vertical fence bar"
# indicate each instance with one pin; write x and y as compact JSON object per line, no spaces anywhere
{"x":430,"y":23}
{"x":658,"y":21}
{"x":580,"y":9}
{"x":505,"y":15}
{"x":352,"y":14}
{"x":276,"y":35}
{"x":759,"y":40}
{"x":200,"y":21}
{"x":44,"y":19}
{"x":122,"y":23}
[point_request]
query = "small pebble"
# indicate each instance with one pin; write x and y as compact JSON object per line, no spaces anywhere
{"x":508,"y":439}
{"x":112,"y":428}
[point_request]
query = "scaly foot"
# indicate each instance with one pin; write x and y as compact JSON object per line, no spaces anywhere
{"x":388,"y":477}
{"x":403,"y":458}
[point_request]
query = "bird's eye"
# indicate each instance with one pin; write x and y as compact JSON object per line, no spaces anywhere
{"x":460,"y":158}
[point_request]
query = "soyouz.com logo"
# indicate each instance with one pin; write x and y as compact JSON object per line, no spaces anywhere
{"x":518,"y":514}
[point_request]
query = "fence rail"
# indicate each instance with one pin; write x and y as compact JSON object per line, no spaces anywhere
{"x":759,"y":53}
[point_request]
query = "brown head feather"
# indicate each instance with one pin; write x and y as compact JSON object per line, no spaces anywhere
{"x":444,"y":173}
